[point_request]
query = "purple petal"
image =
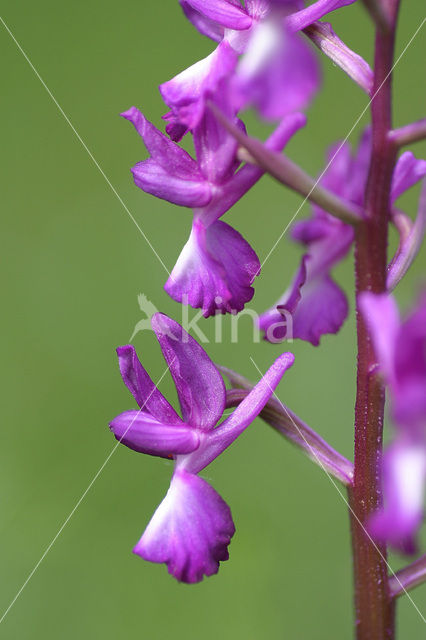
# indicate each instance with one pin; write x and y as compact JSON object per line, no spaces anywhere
{"x":142,"y":387}
{"x":236,"y":187}
{"x":215,"y":147}
{"x":409,"y":246}
{"x":322,"y":309}
{"x":190,"y":531}
{"x":139,"y":431}
{"x":186,"y":93}
{"x":204,"y":25}
{"x":404,"y":476}
{"x":409,"y":397}
{"x":215,"y":270}
{"x":167,"y":154}
{"x":315,"y":11}
{"x":220,"y":438}
{"x":408,"y":171}
{"x":199,"y":385}
{"x":279,"y":73}
{"x":228,"y":13}
{"x":154,"y":179}
{"x":323,"y":36}
{"x":277,"y":323}
{"x":382,"y":317}
{"x":314,"y":305}
{"x":170,"y":173}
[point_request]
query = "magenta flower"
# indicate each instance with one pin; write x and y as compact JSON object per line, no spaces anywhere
{"x":314,"y":304}
{"x":401,"y":353}
{"x":192,"y":528}
{"x":216,"y":268}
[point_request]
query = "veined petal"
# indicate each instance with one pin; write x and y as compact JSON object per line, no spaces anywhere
{"x":381,"y":315}
{"x":170,"y":173}
{"x":158,"y":181}
{"x":142,"y":387}
{"x":315,"y":11}
{"x":228,"y":13}
{"x":139,"y":431}
{"x":166,"y":153}
{"x":408,"y":171}
{"x":215,"y":147}
{"x":215,"y":270}
{"x":220,"y":438}
{"x":199,"y":385}
{"x":190,"y":531}
{"x":404,"y":472}
{"x":204,"y":25}
{"x":322,"y":34}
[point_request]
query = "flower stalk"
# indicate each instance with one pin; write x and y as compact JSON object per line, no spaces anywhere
{"x":408,"y":578}
{"x":373,"y":602}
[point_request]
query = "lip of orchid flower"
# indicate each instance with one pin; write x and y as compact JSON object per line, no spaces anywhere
{"x":192,"y":528}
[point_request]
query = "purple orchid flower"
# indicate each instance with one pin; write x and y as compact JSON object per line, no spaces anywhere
{"x":314,"y":304}
{"x":216,"y":268}
{"x":192,"y":528}
{"x":401,"y":353}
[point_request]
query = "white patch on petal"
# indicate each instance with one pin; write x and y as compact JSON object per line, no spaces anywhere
{"x":264,"y":45}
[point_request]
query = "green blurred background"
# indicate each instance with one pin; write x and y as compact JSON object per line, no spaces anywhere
{"x":73,"y":265}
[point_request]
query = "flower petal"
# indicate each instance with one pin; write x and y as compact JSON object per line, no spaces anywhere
{"x":154,"y":179}
{"x":142,"y":387}
{"x":323,"y":36}
{"x":220,"y":438}
{"x":186,"y":93}
{"x":409,"y":246}
{"x":409,"y":396}
{"x":408,"y":171}
{"x":139,"y":431}
{"x":204,"y":25}
{"x":315,"y":11}
{"x":199,"y":385}
{"x":236,"y":187}
{"x":170,"y":173}
{"x":404,"y":471}
{"x":278,"y":73}
{"x":322,"y":309}
{"x":314,"y":304}
{"x":228,"y":13}
{"x":190,"y":531}
{"x":215,"y":270}
{"x":381,"y":315}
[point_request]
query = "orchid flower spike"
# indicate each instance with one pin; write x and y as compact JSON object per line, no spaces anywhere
{"x":192,"y":528}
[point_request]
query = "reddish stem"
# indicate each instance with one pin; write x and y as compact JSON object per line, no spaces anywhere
{"x":373,"y":604}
